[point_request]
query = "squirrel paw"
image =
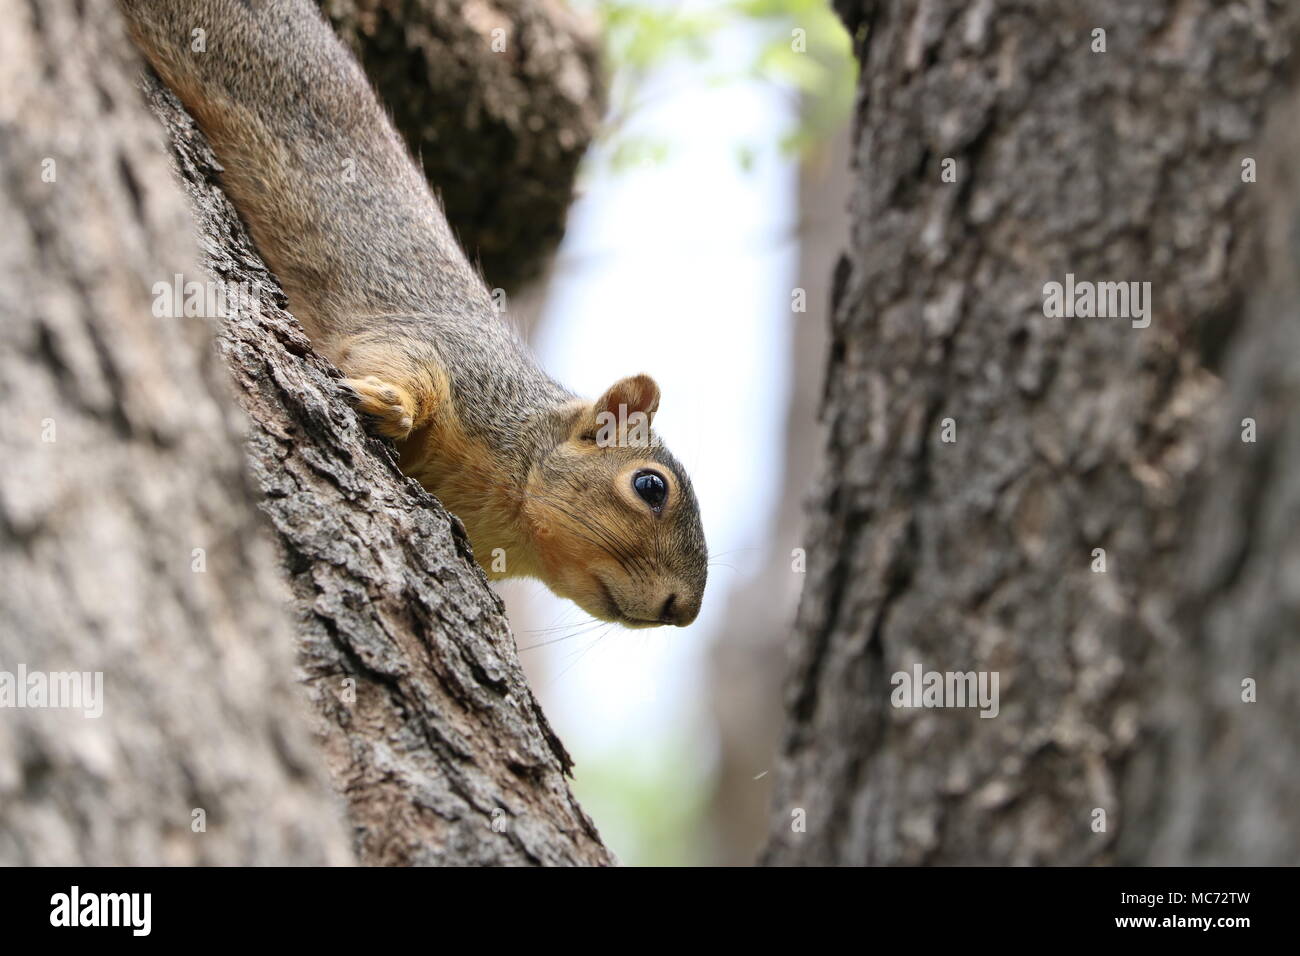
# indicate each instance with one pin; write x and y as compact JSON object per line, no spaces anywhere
{"x":389,"y":409}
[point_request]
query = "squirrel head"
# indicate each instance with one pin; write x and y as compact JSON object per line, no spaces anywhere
{"x":613,"y":517}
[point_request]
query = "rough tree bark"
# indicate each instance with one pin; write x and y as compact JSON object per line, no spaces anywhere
{"x":121,"y":457}
{"x":1119,"y":690}
{"x":428,"y":730}
{"x":1226,"y":785}
{"x":499,"y":99}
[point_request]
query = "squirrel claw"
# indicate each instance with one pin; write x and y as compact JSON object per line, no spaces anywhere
{"x":387,"y":408}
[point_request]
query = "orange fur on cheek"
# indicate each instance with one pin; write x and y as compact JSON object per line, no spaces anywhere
{"x":567,"y":561}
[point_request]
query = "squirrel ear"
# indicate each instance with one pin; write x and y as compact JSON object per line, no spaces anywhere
{"x":637,"y":393}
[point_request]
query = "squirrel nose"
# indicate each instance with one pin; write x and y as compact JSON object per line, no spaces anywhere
{"x":674,"y":612}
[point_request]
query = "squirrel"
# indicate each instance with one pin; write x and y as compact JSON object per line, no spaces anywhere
{"x":578,"y":494}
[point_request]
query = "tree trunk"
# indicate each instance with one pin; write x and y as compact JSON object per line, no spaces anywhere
{"x":426,"y":725}
{"x":499,"y":101}
{"x":130,"y":544}
{"x":1120,"y":690}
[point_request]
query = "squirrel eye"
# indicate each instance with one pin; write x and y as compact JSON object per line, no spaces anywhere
{"x":652,"y":489}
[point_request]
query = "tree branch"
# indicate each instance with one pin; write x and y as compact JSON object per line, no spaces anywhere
{"x":499,"y":100}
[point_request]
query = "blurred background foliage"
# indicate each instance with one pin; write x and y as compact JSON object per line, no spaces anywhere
{"x":802,"y":49}
{"x":649,"y":809}
{"x":717,"y":185}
